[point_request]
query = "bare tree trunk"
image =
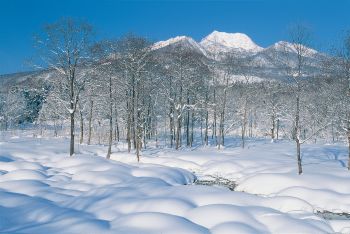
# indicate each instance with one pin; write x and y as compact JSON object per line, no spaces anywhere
{"x":222,"y":118}
{"x":116,"y":125}
{"x":188,"y":122}
{"x":333,"y":137}
{"x":6,"y":123}
{"x":222,"y":125}
{"x":250,"y":124}
{"x":206,"y":127}
{"x":149,"y":130}
{"x":99,"y":132}
{"x":348,"y":133}
{"x":71,"y":147}
{"x":128,"y":138}
{"x":55,"y":128}
{"x":300,"y":169}
{"x":134,"y":111}
{"x":138,"y":131}
{"x":90,"y":122}
{"x":297,"y":133}
{"x":171,"y":116}
{"x":214,"y":121}
{"x":128,"y":126}
{"x":171,"y":125}
{"x":138,"y":138}
{"x":348,"y":136}
{"x":255,"y":122}
{"x":221,"y":137}
{"x":145,"y":134}
{"x":178,"y":132}
{"x":138,"y":120}
{"x":201,"y":119}
{"x":223,"y":129}
{"x":206,"y":116}
{"x":192,"y":123}
{"x":109,"y":151}
{"x":72,"y":112}
{"x":179,"y":122}
{"x":81,"y":127}
{"x":244,"y":125}
{"x":273,"y":123}
{"x":156,"y":133}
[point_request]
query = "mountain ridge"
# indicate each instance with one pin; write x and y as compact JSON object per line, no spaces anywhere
{"x":223,"y":42}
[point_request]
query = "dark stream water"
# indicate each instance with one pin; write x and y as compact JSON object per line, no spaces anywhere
{"x":333,"y":216}
{"x":217,"y":181}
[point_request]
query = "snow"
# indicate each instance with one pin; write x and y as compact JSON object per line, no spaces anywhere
{"x":270,"y":169}
{"x":183,"y":40}
{"x":215,"y":42}
{"x":284,"y":46}
{"x":43,"y":190}
{"x":161,"y":44}
{"x":223,"y":42}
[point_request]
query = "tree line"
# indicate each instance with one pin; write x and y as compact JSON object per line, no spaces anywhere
{"x":125,"y":90}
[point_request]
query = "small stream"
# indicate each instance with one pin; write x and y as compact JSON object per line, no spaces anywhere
{"x":333,"y":216}
{"x":223,"y":182}
{"x":217,"y":181}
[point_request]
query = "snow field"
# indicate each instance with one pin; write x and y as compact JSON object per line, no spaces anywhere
{"x":44,"y":191}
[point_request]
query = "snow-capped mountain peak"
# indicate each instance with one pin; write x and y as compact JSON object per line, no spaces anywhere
{"x":183,"y":40}
{"x":283,"y":46}
{"x":290,"y":47}
{"x":222,"y":41}
{"x":161,"y":44}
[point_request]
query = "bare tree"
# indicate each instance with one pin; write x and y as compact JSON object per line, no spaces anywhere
{"x":131,"y":58}
{"x":345,"y":65}
{"x":340,"y":70}
{"x":64,"y":48}
{"x":272,"y":100}
{"x":296,"y":59}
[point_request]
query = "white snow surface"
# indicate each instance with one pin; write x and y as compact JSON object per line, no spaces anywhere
{"x":161,"y":44}
{"x":42,"y":190}
{"x":223,"y":42}
{"x":183,"y":40}
{"x":284,"y":46}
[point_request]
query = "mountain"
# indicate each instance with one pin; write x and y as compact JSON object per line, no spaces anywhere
{"x":213,"y":44}
{"x":267,"y":63}
{"x":276,"y":55}
{"x":21,"y":79}
{"x":284,"y":46}
{"x":184,"y":41}
{"x":217,"y":42}
{"x":221,"y":43}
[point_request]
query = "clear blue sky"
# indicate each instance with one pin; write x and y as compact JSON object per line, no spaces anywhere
{"x":264,"y":21}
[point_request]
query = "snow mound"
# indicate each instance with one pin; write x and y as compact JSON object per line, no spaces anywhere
{"x":43,"y":190}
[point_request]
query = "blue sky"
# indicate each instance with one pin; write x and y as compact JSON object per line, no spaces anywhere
{"x":264,"y":21}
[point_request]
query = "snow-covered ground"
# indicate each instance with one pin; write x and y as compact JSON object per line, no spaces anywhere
{"x":42,"y":190}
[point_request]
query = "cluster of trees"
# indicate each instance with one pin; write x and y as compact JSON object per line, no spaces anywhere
{"x":20,"y":105}
{"x":125,"y":90}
